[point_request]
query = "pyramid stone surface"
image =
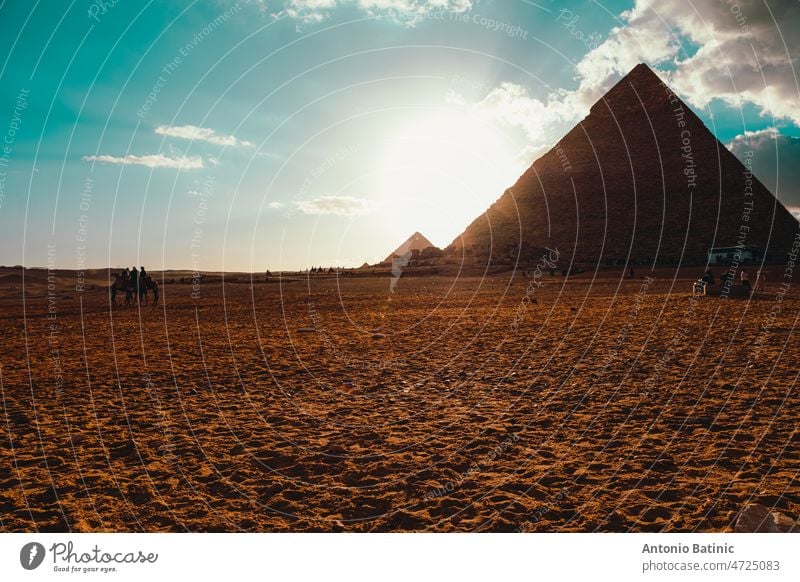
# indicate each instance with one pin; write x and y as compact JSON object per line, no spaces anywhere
{"x":640,"y":179}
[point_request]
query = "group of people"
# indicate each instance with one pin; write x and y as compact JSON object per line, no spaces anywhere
{"x":135,"y":284}
{"x":761,"y":279}
{"x":744,"y":277}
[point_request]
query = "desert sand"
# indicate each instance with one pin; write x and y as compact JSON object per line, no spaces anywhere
{"x":452,"y":404}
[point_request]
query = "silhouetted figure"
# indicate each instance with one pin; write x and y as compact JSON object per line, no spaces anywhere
{"x":126,"y":284}
{"x":708,"y":278}
{"x":152,"y":285}
{"x":115,"y":286}
{"x":745,"y":279}
{"x":143,"y":285}
{"x":761,"y":280}
{"x":134,"y":283}
{"x":630,"y":273}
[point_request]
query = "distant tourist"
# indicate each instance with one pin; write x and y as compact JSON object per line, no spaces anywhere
{"x":708,"y":278}
{"x":143,"y":285}
{"x":761,"y":279}
{"x":630,"y":273}
{"x":115,"y":286}
{"x":133,"y":285}
{"x":745,"y":279}
{"x":126,"y":283}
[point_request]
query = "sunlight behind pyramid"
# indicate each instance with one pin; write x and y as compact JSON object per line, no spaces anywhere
{"x":641,"y":179}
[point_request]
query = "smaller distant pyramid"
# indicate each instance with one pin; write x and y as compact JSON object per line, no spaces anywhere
{"x":416,"y":242}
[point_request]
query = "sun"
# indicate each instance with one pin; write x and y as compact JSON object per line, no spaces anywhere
{"x":441,"y":171}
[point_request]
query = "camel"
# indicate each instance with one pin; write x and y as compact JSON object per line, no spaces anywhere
{"x":123,"y":284}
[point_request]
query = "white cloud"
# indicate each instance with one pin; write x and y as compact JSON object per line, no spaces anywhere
{"x":335,"y":205}
{"x":150,"y":161}
{"x":643,"y":39}
{"x":308,"y":10}
{"x":775,"y":160}
{"x":511,"y":105}
{"x":406,"y":11}
{"x":746,"y":54}
{"x":275,"y":205}
{"x":195,"y":133}
{"x":758,"y":139}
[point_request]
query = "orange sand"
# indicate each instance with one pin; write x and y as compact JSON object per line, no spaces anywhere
{"x":605,"y":406}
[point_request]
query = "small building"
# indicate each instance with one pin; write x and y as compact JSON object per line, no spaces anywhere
{"x":740,"y":254}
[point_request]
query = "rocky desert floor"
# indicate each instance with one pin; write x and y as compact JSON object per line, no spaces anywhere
{"x":594,"y":403}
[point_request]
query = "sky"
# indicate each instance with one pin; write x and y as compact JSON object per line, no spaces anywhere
{"x":283,"y":134}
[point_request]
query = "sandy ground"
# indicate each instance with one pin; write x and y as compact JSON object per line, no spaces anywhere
{"x":607,"y":405}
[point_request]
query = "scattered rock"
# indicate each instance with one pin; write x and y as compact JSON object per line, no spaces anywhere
{"x":306,"y":330}
{"x":755,"y":518}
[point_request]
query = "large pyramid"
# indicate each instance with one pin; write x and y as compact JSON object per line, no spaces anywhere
{"x":640,"y":179}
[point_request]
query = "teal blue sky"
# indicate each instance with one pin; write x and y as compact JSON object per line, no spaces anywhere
{"x":253,"y":135}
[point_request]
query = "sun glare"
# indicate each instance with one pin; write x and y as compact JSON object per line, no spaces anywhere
{"x":442,"y":171}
